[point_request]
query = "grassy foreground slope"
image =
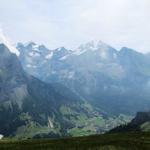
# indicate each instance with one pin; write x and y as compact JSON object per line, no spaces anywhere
{"x":123,"y":141}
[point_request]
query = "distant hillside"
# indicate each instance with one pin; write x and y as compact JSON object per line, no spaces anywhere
{"x":140,"y":123}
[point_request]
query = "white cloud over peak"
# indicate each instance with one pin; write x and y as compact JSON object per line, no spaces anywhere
{"x":73,"y":22}
{"x":6,"y":41}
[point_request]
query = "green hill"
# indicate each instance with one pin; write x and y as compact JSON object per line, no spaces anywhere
{"x":141,"y":123}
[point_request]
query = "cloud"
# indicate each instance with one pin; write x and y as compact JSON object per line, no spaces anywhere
{"x":6,"y":41}
{"x":70,"y":23}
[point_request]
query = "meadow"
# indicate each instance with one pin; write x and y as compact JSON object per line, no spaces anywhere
{"x":117,"y":141}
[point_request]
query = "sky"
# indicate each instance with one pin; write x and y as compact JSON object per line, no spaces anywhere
{"x":69,"y":23}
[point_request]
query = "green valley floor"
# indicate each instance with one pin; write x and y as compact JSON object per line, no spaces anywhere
{"x":120,"y":141}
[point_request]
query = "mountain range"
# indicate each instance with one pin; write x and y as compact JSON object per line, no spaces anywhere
{"x":61,"y":92}
{"x":140,"y":123}
{"x":118,"y":82}
{"x":32,"y":108}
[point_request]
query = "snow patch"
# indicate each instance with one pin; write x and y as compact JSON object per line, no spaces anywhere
{"x":36,"y":47}
{"x":64,"y":57}
{"x":49,"y":56}
{"x":59,"y":49}
{"x":79,"y":52}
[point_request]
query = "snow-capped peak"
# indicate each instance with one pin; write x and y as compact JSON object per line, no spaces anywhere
{"x":31,"y":46}
{"x":34,"y":46}
{"x":5,"y":40}
{"x":60,"y":48}
{"x":92,"y":45}
{"x":29,"y":43}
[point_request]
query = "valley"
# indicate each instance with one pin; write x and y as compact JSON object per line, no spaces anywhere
{"x":74,"y":75}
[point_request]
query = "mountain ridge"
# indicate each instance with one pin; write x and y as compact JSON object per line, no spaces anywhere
{"x":100,"y":74}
